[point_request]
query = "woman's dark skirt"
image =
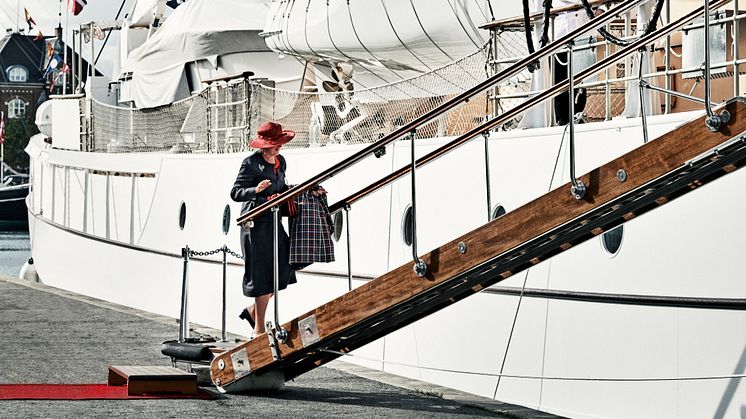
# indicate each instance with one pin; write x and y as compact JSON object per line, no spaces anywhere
{"x":258,"y":249}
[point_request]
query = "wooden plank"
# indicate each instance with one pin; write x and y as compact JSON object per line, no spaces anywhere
{"x":644,"y":164}
{"x":152,"y":379}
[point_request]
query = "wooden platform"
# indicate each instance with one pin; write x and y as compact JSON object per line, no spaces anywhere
{"x":152,"y":379}
{"x":639,"y":181}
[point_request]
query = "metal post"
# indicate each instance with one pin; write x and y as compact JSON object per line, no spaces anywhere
{"x":552,"y":67}
{"x":85,"y":201}
{"x":607,"y":83}
{"x":108,"y":205}
{"x":420,"y":268}
{"x":736,"y":38}
{"x":667,"y":60}
{"x":225,"y":299}
{"x":80,"y":62}
{"x":578,"y":188}
{"x":54,"y":189}
{"x":349,"y":248}
{"x":713,"y":122}
{"x":183,"y":318}
{"x":74,"y":62}
{"x":486,"y":136}
{"x":642,"y":100}
{"x":132,"y":209}
{"x":280,"y":334}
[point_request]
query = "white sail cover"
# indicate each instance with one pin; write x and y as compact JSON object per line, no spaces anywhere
{"x":197,"y":30}
{"x":394,"y":38}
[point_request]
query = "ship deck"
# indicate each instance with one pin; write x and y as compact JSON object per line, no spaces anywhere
{"x":56,"y":336}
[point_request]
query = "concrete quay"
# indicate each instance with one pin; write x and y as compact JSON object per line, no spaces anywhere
{"x":50,"y":335}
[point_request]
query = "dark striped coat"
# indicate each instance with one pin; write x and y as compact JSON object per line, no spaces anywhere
{"x":311,"y":232}
{"x":258,"y":242}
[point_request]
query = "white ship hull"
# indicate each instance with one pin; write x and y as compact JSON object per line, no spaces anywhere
{"x":122,"y":243}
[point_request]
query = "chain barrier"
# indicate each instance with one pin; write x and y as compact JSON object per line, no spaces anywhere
{"x":225,"y":249}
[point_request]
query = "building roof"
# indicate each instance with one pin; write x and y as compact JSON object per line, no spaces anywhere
{"x":23,"y":50}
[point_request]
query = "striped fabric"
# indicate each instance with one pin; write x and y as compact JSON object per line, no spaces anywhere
{"x":311,"y":232}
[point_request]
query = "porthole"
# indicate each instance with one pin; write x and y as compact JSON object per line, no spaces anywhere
{"x":182,"y":215}
{"x":611,"y":241}
{"x":226,"y":219}
{"x":497,"y":212}
{"x":338,"y":221}
{"x":406,"y":226}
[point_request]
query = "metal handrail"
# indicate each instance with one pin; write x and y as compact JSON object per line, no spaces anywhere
{"x":427,"y":117}
{"x":524,"y":106}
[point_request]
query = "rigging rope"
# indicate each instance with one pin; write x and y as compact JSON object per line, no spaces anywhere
{"x":544,"y":40}
{"x":651,"y":25}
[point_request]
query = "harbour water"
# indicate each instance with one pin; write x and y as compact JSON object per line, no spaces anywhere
{"x":15,"y":249}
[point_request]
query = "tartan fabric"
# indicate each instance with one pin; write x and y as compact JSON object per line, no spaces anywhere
{"x":311,"y":232}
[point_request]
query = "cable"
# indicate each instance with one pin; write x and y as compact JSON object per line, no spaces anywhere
{"x":651,"y":26}
{"x":108,"y":34}
{"x":542,"y":377}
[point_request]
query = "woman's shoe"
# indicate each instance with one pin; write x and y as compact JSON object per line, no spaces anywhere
{"x":246,"y":315}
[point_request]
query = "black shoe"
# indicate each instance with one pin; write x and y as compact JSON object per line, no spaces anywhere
{"x":247,"y":316}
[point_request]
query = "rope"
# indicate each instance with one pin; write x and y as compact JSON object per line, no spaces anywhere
{"x":651,"y":25}
{"x":546,"y":377}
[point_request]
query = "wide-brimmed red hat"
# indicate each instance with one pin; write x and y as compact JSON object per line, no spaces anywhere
{"x":270,"y":134}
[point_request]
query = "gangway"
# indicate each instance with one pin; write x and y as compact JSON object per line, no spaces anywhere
{"x":645,"y":178}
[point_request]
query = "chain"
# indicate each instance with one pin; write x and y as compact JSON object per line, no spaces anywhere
{"x":215,"y":251}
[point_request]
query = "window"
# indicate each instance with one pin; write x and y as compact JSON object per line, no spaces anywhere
{"x":611,"y":241}
{"x":16,"y":108}
{"x":17,"y":74}
{"x":407,"y":226}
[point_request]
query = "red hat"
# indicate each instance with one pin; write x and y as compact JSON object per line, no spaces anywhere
{"x":270,"y":134}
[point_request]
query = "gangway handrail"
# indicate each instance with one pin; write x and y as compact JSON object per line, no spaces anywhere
{"x":428,"y":116}
{"x":524,"y":106}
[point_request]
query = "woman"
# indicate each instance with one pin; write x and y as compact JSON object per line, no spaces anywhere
{"x":261,"y":177}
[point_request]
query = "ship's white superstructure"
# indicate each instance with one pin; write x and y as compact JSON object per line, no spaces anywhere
{"x":596,"y":331}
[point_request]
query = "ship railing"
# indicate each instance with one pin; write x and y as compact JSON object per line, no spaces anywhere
{"x":409,"y":130}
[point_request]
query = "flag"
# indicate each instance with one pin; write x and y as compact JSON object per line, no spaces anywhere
{"x":29,"y":20}
{"x":76,"y":6}
{"x":175,"y":3}
{"x":57,"y":78}
{"x":2,"y":127}
{"x":54,"y":62}
{"x":39,"y":36}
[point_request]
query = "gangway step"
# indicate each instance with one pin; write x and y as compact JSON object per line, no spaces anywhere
{"x":152,"y":379}
{"x":652,"y":175}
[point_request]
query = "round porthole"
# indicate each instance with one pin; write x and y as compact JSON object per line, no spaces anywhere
{"x":182,"y":215}
{"x":226,"y":219}
{"x":406,"y":226}
{"x":612,"y":240}
{"x":338,"y":221}
{"x":497,"y":211}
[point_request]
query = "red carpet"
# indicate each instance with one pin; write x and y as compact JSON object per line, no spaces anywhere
{"x":83,"y":392}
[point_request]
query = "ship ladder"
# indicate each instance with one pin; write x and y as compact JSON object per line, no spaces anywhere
{"x":647,"y":177}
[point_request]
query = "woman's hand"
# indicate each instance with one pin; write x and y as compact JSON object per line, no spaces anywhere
{"x":319,"y":191}
{"x":263,"y":185}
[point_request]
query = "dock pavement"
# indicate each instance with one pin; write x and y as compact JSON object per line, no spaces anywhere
{"x":53,"y":336}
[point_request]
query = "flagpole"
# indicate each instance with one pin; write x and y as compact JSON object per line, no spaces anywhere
{"x":18,"y":16}
{"x":64,"y":58}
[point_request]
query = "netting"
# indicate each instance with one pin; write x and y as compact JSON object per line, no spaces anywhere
{"x":225,"y":115}
{"x":180,"y":126}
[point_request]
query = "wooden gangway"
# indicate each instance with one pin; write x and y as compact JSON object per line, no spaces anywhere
{"x":674,"y":164}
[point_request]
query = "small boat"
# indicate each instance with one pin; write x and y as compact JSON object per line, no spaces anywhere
{"x":13,"y":192}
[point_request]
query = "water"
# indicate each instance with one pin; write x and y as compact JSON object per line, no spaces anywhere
{"x":15,"y":250}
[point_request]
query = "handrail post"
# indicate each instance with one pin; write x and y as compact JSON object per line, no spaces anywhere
{"x":349,"y":248}
{"x":280,"y":333}
{"x":420,"y":267}
{"x":486,"y":135}
{"x":713,"y":122}
{"x":578,"y":187}
{"x":183,"y":320}
{"x":224,"y":249}
{"x":641,"y":88}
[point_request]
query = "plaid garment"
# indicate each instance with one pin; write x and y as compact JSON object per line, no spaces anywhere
{"x":311,"y":232}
